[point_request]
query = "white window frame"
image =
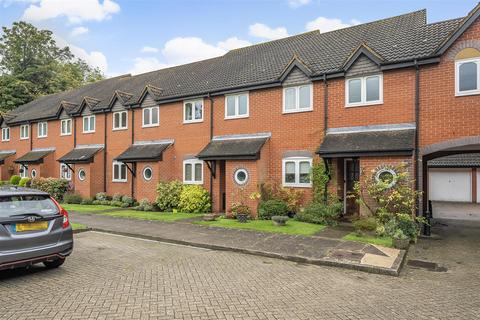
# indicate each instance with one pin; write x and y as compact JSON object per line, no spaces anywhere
{"x":116,"y":163}
{"x":151,"y":124}
{"x":80,"y":174}
{"x":193,"y":162}
{"x":193,"y":111}
{"x":297,"y":161}
{"x":68,"y":172}
{"x":66,"y":121}
{"x":235,"y":176}
{"x":143,"y":173}
{"x":458,"y":63}
{"x":94,"y":123}
{"x":5,"y":133}
{"x":237,"y":105}
{"x":363,"y":91}
{"x":297,"y":99}
{"x":23,"y":174}
{"x":42,"y":129}
{"x":33,"y":173}
{"x":27,"y":131}
{"x":120,"y":113}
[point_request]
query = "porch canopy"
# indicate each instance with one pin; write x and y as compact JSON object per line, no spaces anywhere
{"x":143,"y":151}
{"x":4,"y":155}
{"x":368,"y":143}
{"x":234,"y":147}
{"x":80,"y":155}
{"x":33,"y":157}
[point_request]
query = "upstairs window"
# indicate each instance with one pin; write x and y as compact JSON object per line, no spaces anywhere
{"x":296,"y":172}
{"x":88,"y":124}
{"x":66,"y":127}
{"x":24,"y":131}
{"x":120,"y":120}
{"x":193,"y":111}
{"x":297,"y":99}
{"x":42,"y":129}
{"x":364,"y":91}
{"x":119,"y":172}
{"x":5,"y":134}
{"x":236,"y":106}
{"x":467,"y":77}
{"x":150,"y":117}
{"x":193,"y":171}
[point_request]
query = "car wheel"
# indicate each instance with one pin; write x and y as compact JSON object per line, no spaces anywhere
{"x":54,"y":264}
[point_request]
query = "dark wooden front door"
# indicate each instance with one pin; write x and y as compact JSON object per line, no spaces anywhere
{"x":351,"y":176}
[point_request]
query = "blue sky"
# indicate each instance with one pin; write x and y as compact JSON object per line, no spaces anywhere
{"x":134,"y":36}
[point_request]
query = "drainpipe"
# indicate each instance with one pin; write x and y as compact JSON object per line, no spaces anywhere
{"x":134,"y":165}
{"x":325,"y":128}
{"x":211,"y":137}
{"x":30,"y":126}
{"x":74,"y":124}
{"x":105,"y":152}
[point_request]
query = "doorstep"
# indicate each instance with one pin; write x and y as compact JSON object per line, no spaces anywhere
{"x":313,"y":250}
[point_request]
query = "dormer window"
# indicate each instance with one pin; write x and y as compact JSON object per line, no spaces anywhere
{"x":467,"y":76}
{"x":364,"y":91}
{"x":297,"y":99}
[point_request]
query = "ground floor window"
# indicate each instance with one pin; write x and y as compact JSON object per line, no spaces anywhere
{"x":296,"y":172}
{"x":147,"y":173}
{"x":241,"y":176}
{"x":34,"y":174}
{"x":23,"y":171}
{"x":193,"y":171}
{"x":119,"y":172}
{"x":82,"y":175}
{"x":65,"y":172}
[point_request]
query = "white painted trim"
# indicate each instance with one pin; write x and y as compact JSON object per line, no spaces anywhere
{"x":7,"y":129}
{"x":151,"y":124}
{"x":374,"y":128}
{"x":297,"y":99}
{"x":80,"y":171}
{"x":94,"y":123}
{"x":193,"y":162}
{"x":68,"y":170}
{"x":363,"y":94}
{"x":243,"y":136}
{"x":237,"y":104}
{"x":296,"y":161}
{"x":458,"y":63}
{"x":116,"y":163}
{"x":40,"y":126}
{"x":66,"y":121}
{"x":241,"y":183}
{"x":120,"y":121}
{"x":143,"y":173}
{"x":27,"y":126}
{"x":193,"y":111}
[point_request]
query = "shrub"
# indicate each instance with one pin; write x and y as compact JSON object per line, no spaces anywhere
{"x":73,"y":198}
{"x":168,"y":195}
{"x":24,"y":182}
{"x":406,"y":223}
{"x":105,"y":202}
{"x":292,"y":197}
{"x":87,"y":201}
{"x":117,"y":197}
{"x":320,"y":213}
{"x":268,"y":209}
{"x":15,"y":180}
{"x":55,"y":187}
{"x":116,"y":203}
{"x":128,"y":201}
{"x":194,"y":199}
{"x":101,"y":196}
{"x":240,"y":208}
{"x":365,"y":225}
{"x":145,"y":205}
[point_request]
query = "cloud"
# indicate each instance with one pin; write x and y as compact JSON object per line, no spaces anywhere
{"x":233,"y":43}
{"x":78,"y":31}
{"x":74,"y":11}
{"x":7,"y":3}
{"x":325,"y":24}
{"x":148,"y":49}
{"x":142,"y":65}
{"x":93,"y":58}
{"x":298,"y":3}
{"x":261,"y":30}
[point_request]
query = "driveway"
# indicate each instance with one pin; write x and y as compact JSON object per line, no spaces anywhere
{"x":114,"y":277}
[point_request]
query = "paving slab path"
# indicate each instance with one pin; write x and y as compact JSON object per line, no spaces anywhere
{"x":314,"y":250}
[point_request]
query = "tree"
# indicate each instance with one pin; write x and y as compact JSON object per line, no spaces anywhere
{"x":32,"y":65}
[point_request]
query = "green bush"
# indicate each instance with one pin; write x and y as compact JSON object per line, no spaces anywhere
{"x":105,"y":202}
{"x":15,"y":180}
{"x":128,"y":201}
{"x":24,"y":182}
{"x":145,"y":205}
{"x":87,"y":201}
{"x":116,"y":203}
{"x":101,"y":196}
{"x":168,"y":195}
{"x":268,"y":209}
{"x":55,"y":187}
{"x":117,"y":197}
{"x":320,"y":213}
{"x":72,"y":198}
{"x":194,"y":199}
{"x":409,"y":226}
{"x":4,"y":183}
{"x":365,"y":225}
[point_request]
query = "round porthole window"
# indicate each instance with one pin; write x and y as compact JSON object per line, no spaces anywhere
{"x":34,"y":173}
{"x":147,"y":173}
{"x":387,"y":176}
{"x":82,"y":174}
{"x":241,"y":176}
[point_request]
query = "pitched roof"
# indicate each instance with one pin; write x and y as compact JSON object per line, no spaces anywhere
{"x":464,"y":160}
{"x":395,"y":39}
{"x":4,"y":155}
{"x":143,"y":152}
{"x":80,"y":155}
{"x":247,"y":148}
{"x":33,"y":157}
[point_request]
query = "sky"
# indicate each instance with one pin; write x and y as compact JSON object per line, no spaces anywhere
{"x":136,"y":36}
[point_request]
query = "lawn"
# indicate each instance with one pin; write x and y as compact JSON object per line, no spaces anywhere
{"x":381,"y":241}
{"x":78,"y":226}
{"x":146,"y":215}
{"x":85,"y":208}
{"x":292,"y":227}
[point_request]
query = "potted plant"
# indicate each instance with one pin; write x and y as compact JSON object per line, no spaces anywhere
{"x":209,"y":217}
{"x":241,"y":211}
{"x":400,"y":240}
{"x":279,"y":220}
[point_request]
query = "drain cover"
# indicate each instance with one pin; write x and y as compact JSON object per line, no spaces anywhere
{"x":427,"y":265}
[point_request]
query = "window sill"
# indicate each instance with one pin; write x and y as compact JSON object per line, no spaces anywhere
{"x":363,"y":104}
{"x":88,"y":132}
{"x":296,"y":185}
{"x":24,"y":138}
{"x":296,"y":111}
{"x":468,"y":93}
{"x":236,"y":117}
{"x":65,"y":134}
{"x":119,"y":181}
{"x":5,"y":140}
{"x":193,"y":121}
{"x":43,"y":137}
{"x":119,"y":129}
{"x":150,"y":125}
{"x":193,"y":182}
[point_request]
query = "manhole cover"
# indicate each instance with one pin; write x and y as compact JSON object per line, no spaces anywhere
{"x":427,"y":265}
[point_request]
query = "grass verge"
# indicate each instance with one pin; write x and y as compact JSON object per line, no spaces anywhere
{"x":381,"y":241}
{"x":78,"y":226}
{"x":146,"y":215}
{"x":85,"y":208}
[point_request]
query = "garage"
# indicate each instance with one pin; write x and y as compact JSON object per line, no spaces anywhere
{"x":453,"y":187}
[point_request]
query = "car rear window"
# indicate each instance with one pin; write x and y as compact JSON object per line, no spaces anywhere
{"x":26,"y":204}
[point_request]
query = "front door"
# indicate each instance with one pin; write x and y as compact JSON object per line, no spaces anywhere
{"x":351,"y":175}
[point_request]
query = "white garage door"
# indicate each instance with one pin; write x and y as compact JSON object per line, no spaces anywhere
{"x":450,"y":185}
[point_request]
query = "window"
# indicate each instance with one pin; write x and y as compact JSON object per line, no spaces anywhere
{"x":120,"y":120}
{"x":297,"y":99}
{"x":147,"y":173}
{"x":65,"y":172}
{"x":119,"y":172}
{"x":5,"y":134}
{"x":34,"y":173}
{"x":42,"y":128}
{"x":193,"y":171}
{"x":364,"y":91}
{"x":150,"y":117}
{"x":241,"y":176}
{"x":236,"y":106}
{"x":296,"y":172}
{"x":23,"y":171}
{"x":88,"y":124}
{"x":193,"y":111}
{"x":467,"y":77}
{"x":24,"y":131}
{"x":66,"y":127}
{"x":82,"y":175}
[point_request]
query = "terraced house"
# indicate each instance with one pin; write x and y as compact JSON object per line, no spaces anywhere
{"x":397,"y":90}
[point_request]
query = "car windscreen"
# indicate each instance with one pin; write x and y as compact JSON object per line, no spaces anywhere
{"x":26,"y":204}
